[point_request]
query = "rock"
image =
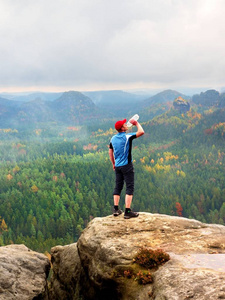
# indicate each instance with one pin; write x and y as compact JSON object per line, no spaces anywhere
{"x":67,"y":272}
{"x":94,"y":267}
{"x":181,"y":105}
{"x":179,"y":281}
{"x":23,"y":273}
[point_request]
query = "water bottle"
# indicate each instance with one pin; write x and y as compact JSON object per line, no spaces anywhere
{"x":135,"y":117}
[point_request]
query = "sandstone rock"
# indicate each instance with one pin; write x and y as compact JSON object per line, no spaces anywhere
{"x":66,"y":273}
{"x":181,"y":105}
{"x":94,"y":267}
{"x":23,"y":273}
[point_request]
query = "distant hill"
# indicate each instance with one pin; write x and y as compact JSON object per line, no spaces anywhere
{"x":163,"y":97}
{"x":208,"y":98}
{"x":95,"y":107}
{"x":208,"y":126}
{"x":106,"y":98}
{"x":74,"y":107}
{"x":21,"y":97}
{"x":116,"y":103}
{"x":8,"y":109}
{"x":9,"y":103}
{"x":70,"y":108}
{"x":35,"y":111}
{"x":158,"y":104}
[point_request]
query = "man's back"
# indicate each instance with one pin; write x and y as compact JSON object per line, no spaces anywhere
{"x":121,"y":144}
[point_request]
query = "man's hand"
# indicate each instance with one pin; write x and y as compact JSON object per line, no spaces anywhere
{"x":133,"y":122}
{"x":111,"y":156}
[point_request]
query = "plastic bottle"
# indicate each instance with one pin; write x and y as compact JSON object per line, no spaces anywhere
{"x":135,"y":117}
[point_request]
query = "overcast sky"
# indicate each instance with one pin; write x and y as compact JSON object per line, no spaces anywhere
{"x":58,"y":45}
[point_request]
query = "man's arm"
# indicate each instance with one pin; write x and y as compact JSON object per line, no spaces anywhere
{"x":111,"y":156}
{"x":140,"y":130}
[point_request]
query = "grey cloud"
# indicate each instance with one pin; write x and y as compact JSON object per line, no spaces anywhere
{"x":91,"y":42}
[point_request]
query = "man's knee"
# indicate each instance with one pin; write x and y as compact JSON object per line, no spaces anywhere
{"x":118,"y":190}
{"x":130,"y":188}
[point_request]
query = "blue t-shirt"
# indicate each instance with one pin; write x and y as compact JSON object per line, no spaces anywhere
{"x":121,"y":144}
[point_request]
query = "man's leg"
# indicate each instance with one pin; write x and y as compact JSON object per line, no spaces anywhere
{"x":116,"y":211}
{"x":128,"y":200}
{"x":117,"y":191}
{"x":116,"y":199}
{"x":129,"y":179}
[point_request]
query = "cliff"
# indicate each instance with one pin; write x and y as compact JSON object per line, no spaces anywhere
{"x":101,"y":264}
{"x":98,"y":265}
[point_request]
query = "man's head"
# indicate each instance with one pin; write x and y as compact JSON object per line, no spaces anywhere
{"x":121,"y":125}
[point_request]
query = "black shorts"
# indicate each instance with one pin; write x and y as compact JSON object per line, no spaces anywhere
{"x":124,"y":173}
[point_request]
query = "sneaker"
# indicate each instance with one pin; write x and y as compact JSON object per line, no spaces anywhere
{"x":131,"y":214}
{"x":117,"y":212}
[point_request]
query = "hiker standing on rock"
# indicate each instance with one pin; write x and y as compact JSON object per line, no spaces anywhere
{"x":120,"y":148}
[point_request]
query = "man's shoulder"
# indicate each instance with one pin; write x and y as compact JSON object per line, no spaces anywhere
{"x":119,"y":134}
{"x":114,"y":136}
{"x":131,"y":134}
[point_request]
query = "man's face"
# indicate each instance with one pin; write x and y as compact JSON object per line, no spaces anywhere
{"x":124,"y":127}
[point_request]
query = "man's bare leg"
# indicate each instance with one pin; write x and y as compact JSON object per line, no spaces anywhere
{"x":116,"y":199}
{"x":117,"y":211}
{"x":128,"y":200}
{"x":128,"y":212}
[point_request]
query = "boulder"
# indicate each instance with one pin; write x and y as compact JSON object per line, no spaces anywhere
{"x":95,"y":267}
{"x":23,"y":273}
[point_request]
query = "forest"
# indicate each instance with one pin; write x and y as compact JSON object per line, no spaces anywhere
{"x":54,"y":180}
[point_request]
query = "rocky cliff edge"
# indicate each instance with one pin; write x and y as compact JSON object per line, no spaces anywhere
{"x":96,"y":267}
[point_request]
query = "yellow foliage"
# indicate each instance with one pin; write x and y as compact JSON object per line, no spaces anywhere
{"x":6,"y":130}
{"x":167,"y":168}
{"x":3,"y":226}
{"x":100,"y":132}
{"x":149,"y":169}
{"x":16,"y":169}
{"x":182,"y":174}
{"x":171,"y":156}
{"x":152,"y":161}
{"x":34,"y":188}
{"x":158,"y":167}
{"x":9,"y":177}
{"x":142,"y":160}
{"x":38,"y":131}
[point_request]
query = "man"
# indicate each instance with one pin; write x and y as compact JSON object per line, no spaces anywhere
{"x":120,"y":155}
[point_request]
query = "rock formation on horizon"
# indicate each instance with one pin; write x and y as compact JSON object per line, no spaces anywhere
{"x":181,"y":105}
